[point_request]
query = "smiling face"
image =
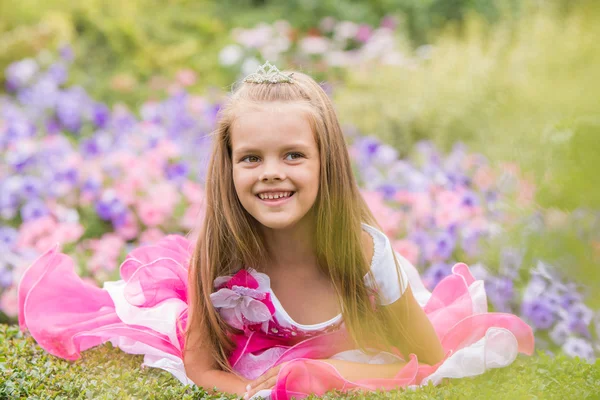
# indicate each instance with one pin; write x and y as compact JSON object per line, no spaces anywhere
{"x":275,"y":164}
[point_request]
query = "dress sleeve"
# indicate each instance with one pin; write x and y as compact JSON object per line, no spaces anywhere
{"x":389,"y":280}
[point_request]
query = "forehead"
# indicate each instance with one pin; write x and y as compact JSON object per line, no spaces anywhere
{"x":272,"y":124}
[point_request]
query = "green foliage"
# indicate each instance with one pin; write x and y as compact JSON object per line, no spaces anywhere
{"x":138,"y":38}
{"x":522,"y":91}
{"x":107,"y":373}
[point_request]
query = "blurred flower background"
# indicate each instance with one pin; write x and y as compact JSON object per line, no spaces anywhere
{"x":474,"y":130}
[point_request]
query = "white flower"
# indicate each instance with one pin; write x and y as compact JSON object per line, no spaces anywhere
{"x":314,"y":45}
{"x":577,"y":347}
{"x":230,"y":55}
{"x":249,"y":66}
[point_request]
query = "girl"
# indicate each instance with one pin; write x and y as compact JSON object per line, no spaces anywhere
{"x":291,"y":289}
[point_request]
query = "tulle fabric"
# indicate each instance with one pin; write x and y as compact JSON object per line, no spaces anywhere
{"x":146,"y":311}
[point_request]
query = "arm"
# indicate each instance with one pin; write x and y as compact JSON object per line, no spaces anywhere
{"x":351,"y":371}
{"x":421,"y":338}
{"x":202,"y":369}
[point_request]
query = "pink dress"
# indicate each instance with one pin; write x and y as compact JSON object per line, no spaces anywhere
{"x":146,"y":312}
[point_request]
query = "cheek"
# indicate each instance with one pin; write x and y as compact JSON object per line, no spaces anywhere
{"x":240,"y":181}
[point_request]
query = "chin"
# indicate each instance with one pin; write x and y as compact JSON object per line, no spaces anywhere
{"x":277,"y":225}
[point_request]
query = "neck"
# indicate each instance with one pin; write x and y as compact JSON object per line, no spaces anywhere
{"x":292,"y":247}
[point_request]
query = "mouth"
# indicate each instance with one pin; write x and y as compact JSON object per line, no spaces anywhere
{"x":274,"y":199}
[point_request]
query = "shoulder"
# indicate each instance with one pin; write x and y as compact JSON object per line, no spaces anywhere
{"x":368,"y":245}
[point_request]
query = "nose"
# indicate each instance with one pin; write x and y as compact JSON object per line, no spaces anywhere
{"x":271,"y":171}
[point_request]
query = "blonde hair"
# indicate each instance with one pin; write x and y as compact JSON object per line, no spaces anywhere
{"x":230,"y":237}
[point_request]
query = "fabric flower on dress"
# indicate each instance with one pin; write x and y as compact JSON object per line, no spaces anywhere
{"x":243,"y":299}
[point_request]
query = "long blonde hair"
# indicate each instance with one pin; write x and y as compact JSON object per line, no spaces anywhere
{"x":230,"y":238}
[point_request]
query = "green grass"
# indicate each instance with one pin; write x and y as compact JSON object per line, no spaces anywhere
{"x":28,"y":372}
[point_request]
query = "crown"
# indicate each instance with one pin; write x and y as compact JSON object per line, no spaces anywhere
{"x":268,"y":73}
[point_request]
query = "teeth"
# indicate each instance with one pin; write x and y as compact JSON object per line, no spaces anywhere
{"x":271,"y":196}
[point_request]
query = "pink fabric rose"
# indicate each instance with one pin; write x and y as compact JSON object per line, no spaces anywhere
{"x":243,"y":298}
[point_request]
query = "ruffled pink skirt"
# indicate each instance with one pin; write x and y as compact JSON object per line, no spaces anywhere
{"x":146,"y":312}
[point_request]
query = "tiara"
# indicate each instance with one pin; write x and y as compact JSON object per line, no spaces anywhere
{"x":268,"y":73}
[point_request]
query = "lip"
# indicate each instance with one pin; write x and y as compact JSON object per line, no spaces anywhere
{"x":275,"y":202}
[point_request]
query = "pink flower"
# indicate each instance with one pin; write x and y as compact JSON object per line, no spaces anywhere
{"x":106,"y":252}
{"x":422,"y":206}
{"x":9,"y":302}
{"x":45,"y":232}
{"x":193,"y":192}
{"x":526,"y":193}
{"x":129,"y":229}
{"x":186,"y":77}
{"x":448,"y":199}
{"x":164,"y":196}
{"x":151,"y":235}
{"x":444,"y":217}
{"x":364,"y":33}
{"x":150,"y":214}
{"x":68,"y":232}
{"x":407,"y":249}
{"x":389,"y":219}
{"x":193,"y":216}
{"x":126,"y":191}
{"x":484,"y":178}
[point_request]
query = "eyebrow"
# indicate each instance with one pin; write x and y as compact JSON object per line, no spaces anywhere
{"x":292,"y":146}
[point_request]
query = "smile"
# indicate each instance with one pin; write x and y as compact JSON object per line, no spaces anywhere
{"x":276,"y":198}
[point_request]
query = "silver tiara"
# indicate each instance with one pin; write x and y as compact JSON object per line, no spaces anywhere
{"x":268,"y":73}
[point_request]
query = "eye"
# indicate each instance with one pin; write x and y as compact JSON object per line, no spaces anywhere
{"x":293,"y":156}
{"x":250,"y":159}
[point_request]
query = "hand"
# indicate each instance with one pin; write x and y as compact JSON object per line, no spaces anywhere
{"x":265,"y":381}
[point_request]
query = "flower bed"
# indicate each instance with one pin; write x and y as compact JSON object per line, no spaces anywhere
{"x":101,"y":181}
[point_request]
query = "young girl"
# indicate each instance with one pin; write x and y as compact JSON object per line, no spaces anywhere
{"x":291,"y":288}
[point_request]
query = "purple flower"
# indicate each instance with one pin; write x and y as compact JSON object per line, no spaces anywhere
{"x":570,"y":299}
{"x":367,"y":148}
{"x":579,"y":318}
{"x":52,"y":126}
{"x":10,"y":192}
{"x":177,"y":170}
{"x":69,"y":107}
{"x":68,"y":175}
{"x":510,"y":261}
{"x":385,"y":155}
{"x":539,"y":313}
{"x":91,"y":185}
{"x":89,"y":147}
{"x":31,"y":187}
{"x":20,"y":73}
{"x":66,"y":53}
{"x":8,"y":237}
{"x":500,"y":291}
{"x":34,"y":209}
{"x":560,"y":333}
{"x":577,"y":347}
{"x":20,"y":128}
{"x":58,"y":73}
{"x":435,"y":273}
{"x":110,"y":208}
{"x":100,"y":115}
{"x":443,"y":246}
{"x":6,"y":275}
{"x":469,"y":199}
